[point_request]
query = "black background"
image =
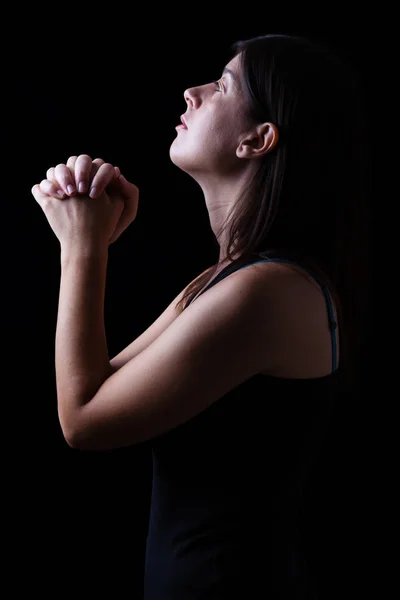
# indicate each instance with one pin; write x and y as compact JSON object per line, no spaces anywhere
{"x":110,"y":83}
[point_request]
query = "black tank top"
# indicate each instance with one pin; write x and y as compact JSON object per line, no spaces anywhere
{"x":227,"y":488}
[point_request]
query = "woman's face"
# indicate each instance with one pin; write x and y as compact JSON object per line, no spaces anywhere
{"x":215,"y":121}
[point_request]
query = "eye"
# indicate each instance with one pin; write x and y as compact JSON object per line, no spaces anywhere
{"x":217,"y":83}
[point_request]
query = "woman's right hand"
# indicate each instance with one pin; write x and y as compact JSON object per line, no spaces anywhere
{"x":92,"y":177}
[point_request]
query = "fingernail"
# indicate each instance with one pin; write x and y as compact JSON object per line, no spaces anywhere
{"x":70,"y":189}
{"x":60,"y":193}
{"x":92,"y":192}
{"x":82,"y":187}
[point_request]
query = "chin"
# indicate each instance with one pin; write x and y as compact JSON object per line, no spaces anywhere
{"x":192,"y":164}
{"x":179,"y":159}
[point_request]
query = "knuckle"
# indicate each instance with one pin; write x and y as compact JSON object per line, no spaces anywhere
{"x":71,"y":162}
{"x":46,"y":199}
{"x":60,"y":172}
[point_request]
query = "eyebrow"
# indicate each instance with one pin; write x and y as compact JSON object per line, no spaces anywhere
{"x":235,"y":81}
{"x":231,"y":73}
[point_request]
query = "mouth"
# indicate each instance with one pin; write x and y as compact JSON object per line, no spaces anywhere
{"x":183,"y":122}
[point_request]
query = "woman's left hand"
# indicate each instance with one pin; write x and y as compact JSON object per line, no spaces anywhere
{"x":79,"y":221}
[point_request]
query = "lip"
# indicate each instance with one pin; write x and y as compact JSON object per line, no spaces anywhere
{"x":183,"y":122}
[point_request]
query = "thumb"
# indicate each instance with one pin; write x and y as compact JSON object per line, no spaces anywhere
{"x":120,"y":185}
{"x":130,"y":196}
{"x":127,"y":187}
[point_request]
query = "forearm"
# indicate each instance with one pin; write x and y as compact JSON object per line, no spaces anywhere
{"x":81,"y":354}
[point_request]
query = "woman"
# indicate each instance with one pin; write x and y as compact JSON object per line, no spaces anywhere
{"x":235,"y":382}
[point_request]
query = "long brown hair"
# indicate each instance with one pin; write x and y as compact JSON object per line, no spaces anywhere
{"x":308,"y":201}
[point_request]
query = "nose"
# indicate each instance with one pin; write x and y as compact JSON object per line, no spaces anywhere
{"x":190,"y":97}
{"x":194,"y":96}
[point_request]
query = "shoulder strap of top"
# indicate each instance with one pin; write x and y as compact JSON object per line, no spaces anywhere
{"x":331,"y":315}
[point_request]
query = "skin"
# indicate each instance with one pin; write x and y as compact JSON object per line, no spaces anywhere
{"x":82,"y":224}
{"x":264,"y":318}
{"x":221,"y":148}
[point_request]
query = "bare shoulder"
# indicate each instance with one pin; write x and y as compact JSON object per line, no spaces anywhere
{"x":213,"y":346}
{"x":293,"y":313}
{"x":262,"y":318}
{"x":273,"y":285}
{"x":277,"y":280}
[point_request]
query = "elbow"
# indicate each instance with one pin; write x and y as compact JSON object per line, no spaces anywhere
{"x":82,"y":439}
{"x":77,"y":442}
{"x":71,"y":442}
{"x":67,"y":429}
{"x":72,"y":439}
{"x":83,"y":433}
{"x":73,"y":435}
{"x":76,"y":437}
{"x":74,"y":432}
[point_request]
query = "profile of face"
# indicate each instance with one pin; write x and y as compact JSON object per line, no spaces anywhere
{"x":219,"y":133}
{"x":216,"y":123}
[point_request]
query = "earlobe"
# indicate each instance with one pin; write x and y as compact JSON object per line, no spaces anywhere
{"x":259,"y":142}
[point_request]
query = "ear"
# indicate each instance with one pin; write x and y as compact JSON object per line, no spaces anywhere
{"x":258,"y":142}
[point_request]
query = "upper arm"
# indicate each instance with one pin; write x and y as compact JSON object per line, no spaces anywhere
{"x":210,"y":348}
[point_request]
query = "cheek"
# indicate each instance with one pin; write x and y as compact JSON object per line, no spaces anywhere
{"x":207,"y":137}
{"x":212,"y":139}
{"x":221,"y":133}
{"x":228,"y":125}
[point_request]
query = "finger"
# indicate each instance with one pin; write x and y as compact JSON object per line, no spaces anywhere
{"x":130,"y":193}
{"x":102,"y":178}
{"x":97,"y":164}
{"x":51,"y":189}
{"x":70,"y":164}
{"x":39,"y":196}
{"x":129,"y":190}
{"x":50,"y":175}
{"x":65,"y":178}
{"x":82,"y":170}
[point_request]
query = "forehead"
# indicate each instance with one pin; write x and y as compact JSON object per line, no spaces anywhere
{"x":233,"y":64}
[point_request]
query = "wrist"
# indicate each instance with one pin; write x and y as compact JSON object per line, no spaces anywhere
{"x":83,"y":252}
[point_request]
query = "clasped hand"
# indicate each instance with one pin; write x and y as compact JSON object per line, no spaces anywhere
{"x":88,"y":203}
